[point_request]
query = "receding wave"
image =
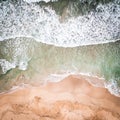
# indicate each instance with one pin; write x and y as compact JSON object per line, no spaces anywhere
{"x":16,"y":55}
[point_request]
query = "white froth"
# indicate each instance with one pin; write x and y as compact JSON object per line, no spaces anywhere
{"x":5,"y":65}
{"x":17,"y":53}
{"x":30,"y":1}
{"x":113,"y":88}
{"x":43,"y":24}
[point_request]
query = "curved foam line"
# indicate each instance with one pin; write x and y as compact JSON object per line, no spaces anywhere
{"x":58,"y":45}
{"x":30,"y":1}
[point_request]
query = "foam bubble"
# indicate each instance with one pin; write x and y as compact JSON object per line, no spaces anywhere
{"x":30,"y":1}
{"x":113,"y":88}
{"x":6,"y":65}
{"x":16,"y":53}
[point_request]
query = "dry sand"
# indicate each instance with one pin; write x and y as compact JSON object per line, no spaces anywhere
{"x":70,"y":99}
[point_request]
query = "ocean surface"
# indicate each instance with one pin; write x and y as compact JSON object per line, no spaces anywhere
{"x":59,"y":38}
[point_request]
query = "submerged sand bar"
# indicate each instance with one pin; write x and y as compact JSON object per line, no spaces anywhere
{"x":73,"y":98}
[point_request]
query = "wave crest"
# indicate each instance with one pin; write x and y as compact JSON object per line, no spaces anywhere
{"x":30,"y":1}
{"x":44,"y":25}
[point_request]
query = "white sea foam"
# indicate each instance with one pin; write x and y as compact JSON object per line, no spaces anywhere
{"x":6,"y":65}
{"x":16,"y":52}
{"x":43,"y":24}
{"x":30,"y":1}
{"x":58,"y":77}
{"x":113,"y":88}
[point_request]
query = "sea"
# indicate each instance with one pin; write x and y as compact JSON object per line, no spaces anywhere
{"x":53,"y":39}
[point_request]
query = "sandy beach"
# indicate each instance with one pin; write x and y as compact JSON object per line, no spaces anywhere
{"x":73,"y":98}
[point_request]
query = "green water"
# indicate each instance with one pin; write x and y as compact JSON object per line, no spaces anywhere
{"x":102,"y":60}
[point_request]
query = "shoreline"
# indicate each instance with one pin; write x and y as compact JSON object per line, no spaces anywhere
{"x":52,"y":78}
{"x":71,"y":98}
{"x":37,"y":81}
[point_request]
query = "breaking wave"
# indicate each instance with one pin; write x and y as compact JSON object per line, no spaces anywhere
{"x":42,"y":23}
{"x":30,"y":1}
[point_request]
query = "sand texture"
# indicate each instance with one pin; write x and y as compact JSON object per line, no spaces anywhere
{"x":73,"y":98}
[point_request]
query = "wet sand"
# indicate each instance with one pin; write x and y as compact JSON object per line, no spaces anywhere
{"x":73,"y":98}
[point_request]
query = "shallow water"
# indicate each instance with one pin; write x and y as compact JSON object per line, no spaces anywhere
{"x":102,"y":60}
